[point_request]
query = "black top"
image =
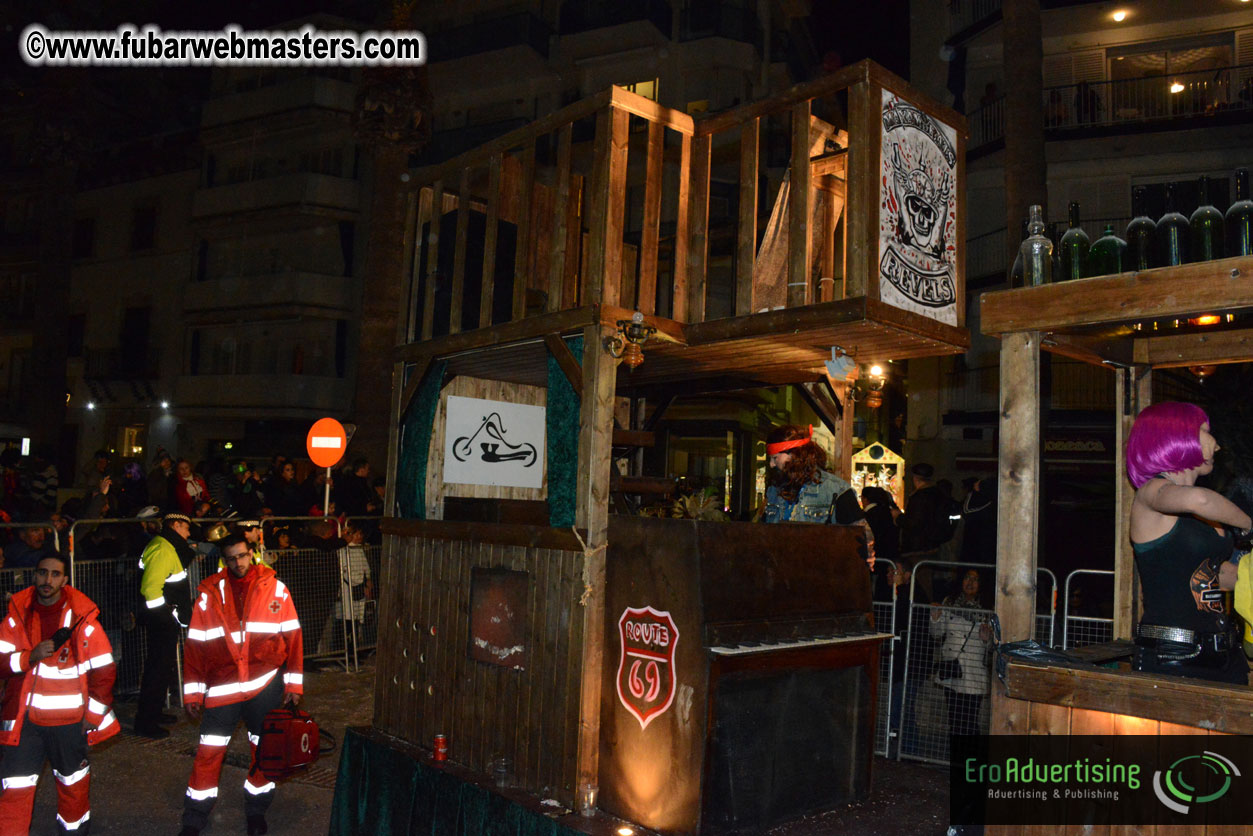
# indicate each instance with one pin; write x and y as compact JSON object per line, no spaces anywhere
{"x":1179,"y":576}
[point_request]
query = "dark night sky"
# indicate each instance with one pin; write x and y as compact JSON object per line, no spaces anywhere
{"x":857,"y":29}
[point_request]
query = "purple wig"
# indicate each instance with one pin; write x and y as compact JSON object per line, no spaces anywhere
{"x":1166,"y":437}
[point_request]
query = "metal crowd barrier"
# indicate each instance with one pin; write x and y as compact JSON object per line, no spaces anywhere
{"x":885,"y":622}
{"x":1081,"y":630}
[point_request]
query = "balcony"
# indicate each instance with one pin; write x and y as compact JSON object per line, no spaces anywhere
{"x":1183,"y":100}
{"x":521,"y":29}
{"x":311,"y":91}
{"x":115,"y":364}
{"x":584,"y":17}
{"x":280,"y":394}
{"x":304,"y":193}
{"x":307,"y":291}
{"x":967,"y":18}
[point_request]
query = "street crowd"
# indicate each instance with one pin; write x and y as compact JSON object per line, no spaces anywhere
{"x":208,"y":540}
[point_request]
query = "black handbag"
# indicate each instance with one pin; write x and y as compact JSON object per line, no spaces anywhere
{"x":951,"y":668}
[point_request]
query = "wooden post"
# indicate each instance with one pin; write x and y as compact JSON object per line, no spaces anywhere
{"x":608,"y":209}
{"x":489,"y":241}
{"x":650,"y":236}
{"x":522,"y":258}
{"x":678,"y":295}
{"x":561,"y":210}
{"x":1018,"y":507}
{"x":749,"y":133}
{"x":798,"y":280}
{"x":592,"y":515}
{"x":844,"y":435}
{"x":459,"y":253}
{"x":1134,"y":392}
{"x":861,"y":220}
{"x":698,"y":226}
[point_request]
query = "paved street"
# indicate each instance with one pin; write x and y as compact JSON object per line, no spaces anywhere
{"x":138,"y":784}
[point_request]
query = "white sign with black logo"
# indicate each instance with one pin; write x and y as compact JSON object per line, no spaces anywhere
{"x":918,"y":212}
{"x":493,"y":443}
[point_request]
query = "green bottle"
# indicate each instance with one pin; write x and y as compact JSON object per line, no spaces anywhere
{"x":1141,"y":232}
{"x":1074,"y":249}
{"x":1173,"y":234}
{"x":1108,"y":253}
{"x":1206,"y":225}
{"x":1240,"y":218}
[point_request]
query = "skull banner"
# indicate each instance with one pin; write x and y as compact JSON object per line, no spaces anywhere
{"x":917,"y":212}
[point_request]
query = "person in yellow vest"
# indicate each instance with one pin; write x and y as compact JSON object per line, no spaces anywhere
{"x":166,"y":591}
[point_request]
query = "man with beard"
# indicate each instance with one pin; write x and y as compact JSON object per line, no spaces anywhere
{"x":244,"y":656}
{"x":167,"y":608}
{"x":798,"y":489}
{"x":58,"y":671}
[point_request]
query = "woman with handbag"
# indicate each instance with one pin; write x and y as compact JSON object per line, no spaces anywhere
{"x":961,"y":621}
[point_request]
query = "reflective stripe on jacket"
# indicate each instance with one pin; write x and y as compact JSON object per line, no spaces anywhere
{"x":229,"y":658}
{"x":74,"y":684}
{"x":165,"y":587}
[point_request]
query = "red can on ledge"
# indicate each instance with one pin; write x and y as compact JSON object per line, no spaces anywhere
{"x":440,"y":749}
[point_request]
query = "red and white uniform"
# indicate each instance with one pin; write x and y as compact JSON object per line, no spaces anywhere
{"x":231,"y":656}
{"x":233,"y":659}
{"x":72,"y":686}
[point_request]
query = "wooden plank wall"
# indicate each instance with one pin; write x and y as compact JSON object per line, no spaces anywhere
{"x":472,"y":387}
{"x":427,"y":684}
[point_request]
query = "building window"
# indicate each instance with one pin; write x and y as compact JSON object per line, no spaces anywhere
{"x":84,"y":237}
{"x":143,"y":228}
{"x":647,"y":89}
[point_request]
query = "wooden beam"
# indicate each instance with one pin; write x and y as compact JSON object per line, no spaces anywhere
{"x":799,"y":198}
{"x":393,"y":437}
{"x":592,"y":514}
{"x":633,"y":438}
{"x":1127,"y":298}
{"x":667,"y":329}
{"x":459,"y":253}
{"x":861,"y":220}
{"x":1098,"y":351}
{"x":1204,"y":706}
{"x":655,"y":114}
{"x":524,"y":251}
{"x":409,"y":276}
{"x":615,"y":215}
{"x":410,"y":388}
{"x":558,"y":322}
{"x":489,"y":242}
{"x":565,"y":359}
{"x":678,"y":290}
{"x":832,"y":164}
{"x":1177,"y":350}
{"x":698,"y":227}
{"x":503,"y":534}
{"x":844,"y":438}
{"x":821,"y":402}
{"x":747,"y":253}
{"x":432,"y":259}
{"x":804,"y":92}
{"x":650,"y":235}
{"x":1018,"y":506}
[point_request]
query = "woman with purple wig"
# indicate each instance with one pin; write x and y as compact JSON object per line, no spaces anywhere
{"x":1181,"y":548}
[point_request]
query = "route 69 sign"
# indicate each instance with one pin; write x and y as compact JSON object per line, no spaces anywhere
{"x":646,"y":676}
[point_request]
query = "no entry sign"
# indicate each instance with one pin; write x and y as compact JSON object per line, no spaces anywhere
{"x":326,"y":442}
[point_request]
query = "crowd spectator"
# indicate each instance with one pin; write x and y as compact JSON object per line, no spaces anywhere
{"x":244,"y":495}
{"x":283,"y":494}
{"x":44,"y":482}
{"x":188,"y":488}
{"x":353,"y":494}
{"x":161,"y":481}
{"x":97,"y":469}
{"x":30,"y":547}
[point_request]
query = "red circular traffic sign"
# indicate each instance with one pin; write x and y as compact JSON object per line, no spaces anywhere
{"x":326,"y":442}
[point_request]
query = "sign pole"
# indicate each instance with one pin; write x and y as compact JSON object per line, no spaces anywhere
{"x":326,"y":497}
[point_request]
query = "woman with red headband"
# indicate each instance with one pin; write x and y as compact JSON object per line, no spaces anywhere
{"x":799,"y":489}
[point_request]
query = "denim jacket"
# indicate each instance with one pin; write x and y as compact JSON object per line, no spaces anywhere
{"x":815,"y":503}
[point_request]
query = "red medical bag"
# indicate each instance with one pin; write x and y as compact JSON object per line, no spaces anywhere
{"x":289,"y":742}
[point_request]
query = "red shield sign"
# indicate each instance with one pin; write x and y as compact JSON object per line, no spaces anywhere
{"x":646,"y":676}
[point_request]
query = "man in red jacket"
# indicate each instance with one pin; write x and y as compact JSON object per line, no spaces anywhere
{"x":58,"y":691}
{"x":243,"y":657}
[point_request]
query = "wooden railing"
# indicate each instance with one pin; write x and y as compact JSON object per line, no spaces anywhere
{"x":617,"y":200}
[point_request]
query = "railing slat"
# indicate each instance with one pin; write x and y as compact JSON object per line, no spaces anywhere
{"x":798,"y":209}
{"x":522,"y":256}
{"x":698,"y":221}
{"x":561,"y":211}
{"x":749,"y":133}
{"x":489,"y":242}
{"x":459,"y":253}
{"x":575,"y":209}
{"x":615,"y":218}
{"x":650,"y":236}
{"x":678,"y":283}
{"x":432,"y":260}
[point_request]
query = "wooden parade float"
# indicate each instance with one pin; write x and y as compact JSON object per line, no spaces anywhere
{"x":1130,"y":324}
{"x":560,"y":647}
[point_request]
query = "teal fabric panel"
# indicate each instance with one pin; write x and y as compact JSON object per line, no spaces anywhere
{"x":415,"y":443}
{"x":562,"y":432}
{"x":382,"y":790}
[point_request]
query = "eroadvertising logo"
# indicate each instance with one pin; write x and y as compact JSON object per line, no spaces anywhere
{"x":1099,"y":779}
